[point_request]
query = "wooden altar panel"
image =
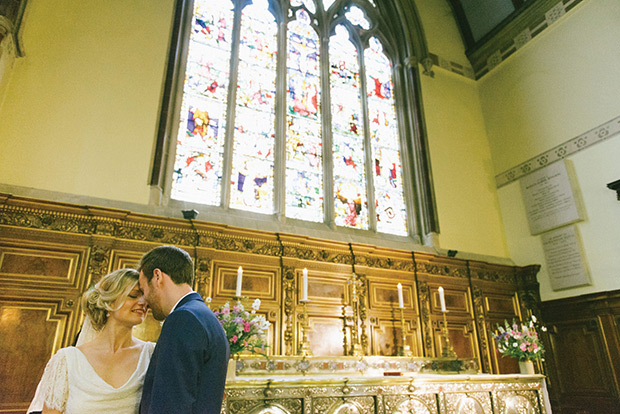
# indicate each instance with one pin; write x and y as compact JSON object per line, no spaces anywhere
{"x":462,"y":338}
{"x":325,"y":336}
{"x":384,"y":295}
{"x":387,"y":339}
{"x":259,"y":282}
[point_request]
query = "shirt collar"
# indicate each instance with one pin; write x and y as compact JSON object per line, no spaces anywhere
{"x":178,"y":301}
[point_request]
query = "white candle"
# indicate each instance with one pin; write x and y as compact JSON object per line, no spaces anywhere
{"x":442,"y":300}
{"x":304,"y":285}
{"x":400,"y":296}
{"x":239,"y":281}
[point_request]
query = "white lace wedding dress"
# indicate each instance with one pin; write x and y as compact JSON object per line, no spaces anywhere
{"x":71,"y":386}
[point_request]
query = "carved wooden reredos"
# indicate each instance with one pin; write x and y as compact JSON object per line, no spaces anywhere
{"x":51,"y":252}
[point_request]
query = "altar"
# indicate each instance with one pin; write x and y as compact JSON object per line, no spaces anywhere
{"x":381,"y":385}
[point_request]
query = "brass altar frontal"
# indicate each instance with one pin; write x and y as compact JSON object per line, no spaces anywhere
{"x":380,"y":385}
{"x":364,"y":366}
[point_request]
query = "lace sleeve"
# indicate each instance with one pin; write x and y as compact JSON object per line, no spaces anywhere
{"x":55,"y":384}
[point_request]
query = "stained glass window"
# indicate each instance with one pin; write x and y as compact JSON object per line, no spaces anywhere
{"x":253,"y":130}
{"x":304,"y":166}
{"x":356,"y":16}
{"x":253,"y":149}
{"x":351,"y":208}
{"x":387,"y":170}
{"x":200,"y":143}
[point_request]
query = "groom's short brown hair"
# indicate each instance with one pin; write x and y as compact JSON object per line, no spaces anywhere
{"x":171,"y":260}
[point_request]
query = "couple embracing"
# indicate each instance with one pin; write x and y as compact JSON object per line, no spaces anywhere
{"x":110,"y":371}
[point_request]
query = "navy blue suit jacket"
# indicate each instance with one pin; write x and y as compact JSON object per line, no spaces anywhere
{"x":187,"y":372}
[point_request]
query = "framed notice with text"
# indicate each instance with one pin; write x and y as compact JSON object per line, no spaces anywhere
{"x":549,"y":198}
{"x":566,"y":265}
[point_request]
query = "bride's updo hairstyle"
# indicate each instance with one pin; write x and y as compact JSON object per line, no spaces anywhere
{"x":108,"y":295}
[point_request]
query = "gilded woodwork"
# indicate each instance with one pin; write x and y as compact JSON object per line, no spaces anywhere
{"x":387,"y":337}
{"x":425,"y":317}
{"x":289,"y":301}
{"x":54,"y":251}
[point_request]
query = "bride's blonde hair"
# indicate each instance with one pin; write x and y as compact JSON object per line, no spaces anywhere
{"x":104,"y":296}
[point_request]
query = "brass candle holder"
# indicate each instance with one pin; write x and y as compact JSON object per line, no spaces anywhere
{"x":304,"y":346}
{"x":447,"y":351}
{"x":357,"y":349}
{"x":403,"y":328}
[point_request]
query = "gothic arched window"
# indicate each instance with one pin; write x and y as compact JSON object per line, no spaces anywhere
{"x":288,"y":108}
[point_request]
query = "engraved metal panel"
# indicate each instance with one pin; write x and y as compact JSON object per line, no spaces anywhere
{"x":412,"y":405}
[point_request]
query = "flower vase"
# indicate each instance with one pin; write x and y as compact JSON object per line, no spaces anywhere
{"x":527,"y":367}
{"x":232,"y":369}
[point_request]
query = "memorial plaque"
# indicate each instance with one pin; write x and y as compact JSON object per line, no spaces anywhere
{"x":549,"y":198}
{"x":565,"y":263}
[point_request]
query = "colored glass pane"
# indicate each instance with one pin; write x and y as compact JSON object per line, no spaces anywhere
{"x":350,"y":203}
{"x":384,"y":142}
{"x":198,"y":166}
{"x":304,"y":167}
{"x":308,"y":3}
{"x":356,"y":16}
{"x":254,"y":136}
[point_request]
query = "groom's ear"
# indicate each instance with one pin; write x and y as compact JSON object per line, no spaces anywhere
{"x":158,"y":277}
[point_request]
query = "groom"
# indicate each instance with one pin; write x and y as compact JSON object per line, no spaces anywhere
{"x":187,"y":372}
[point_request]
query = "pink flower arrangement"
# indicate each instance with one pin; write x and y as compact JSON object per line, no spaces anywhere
{"x":245,"y":330}
{"x":519,"y":341}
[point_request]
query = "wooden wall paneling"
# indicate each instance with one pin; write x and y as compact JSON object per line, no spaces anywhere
{"x":583,"y":353}
{"x":32,"y":329}
{"x":495,"y":299}
{"x":385,"y":317}
{"x":107,"y":239}
{"x":385,"y":327}
{"x":451,"y":274}
{"x":261,"y":280}
{"x":41,"y":281}
{"x":326,"y":293}
{"x":584,"y":375}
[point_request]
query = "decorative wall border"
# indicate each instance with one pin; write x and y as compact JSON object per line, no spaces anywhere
{"x":570,"y":147}
{"x":454,"y":67}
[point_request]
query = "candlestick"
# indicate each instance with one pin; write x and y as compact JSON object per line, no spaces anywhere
{"x":304,"y":285}
{"x":304,"y":346}
{"x":447,"y":351}
{"x":442,"y":299}
{"x":406,"y":348}
{"x":400,"y":296}
{"x":239,"y":282}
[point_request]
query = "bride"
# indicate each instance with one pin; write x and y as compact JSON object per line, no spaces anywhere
{"x":105,"y":372}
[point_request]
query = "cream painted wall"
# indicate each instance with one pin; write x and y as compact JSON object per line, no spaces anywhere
{"x":560,"y":85}
{"x":80,"y":111}
{"x":467,"y":202}
{"x":442,"y":34}
{"x":81,"y":107}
